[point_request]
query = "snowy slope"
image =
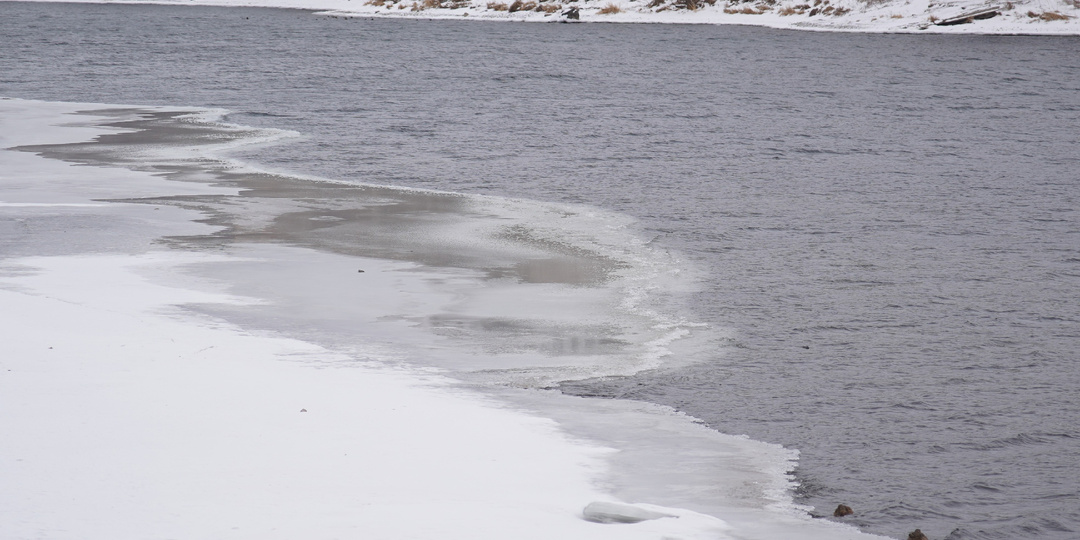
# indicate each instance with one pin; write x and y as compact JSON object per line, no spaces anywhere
{"x":1046,"y":17}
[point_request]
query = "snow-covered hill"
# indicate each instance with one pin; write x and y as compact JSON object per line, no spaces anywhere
{"x":916,"y":16}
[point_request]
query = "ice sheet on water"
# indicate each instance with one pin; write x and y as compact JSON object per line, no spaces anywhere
{"x":541,"y":292}
{"x":134,"y":366}
{"x":612,"y":512}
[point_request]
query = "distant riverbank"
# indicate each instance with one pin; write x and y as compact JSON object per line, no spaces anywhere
{"x":1040,"y":17}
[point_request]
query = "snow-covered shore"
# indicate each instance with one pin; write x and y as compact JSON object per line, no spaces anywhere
{"x":129,"y":414}
{"x":125,"y":416}
{"x":1025,"y":17}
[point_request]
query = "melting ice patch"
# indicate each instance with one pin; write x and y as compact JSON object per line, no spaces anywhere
{"x":612,"y":512}
{"x":542,"y":292}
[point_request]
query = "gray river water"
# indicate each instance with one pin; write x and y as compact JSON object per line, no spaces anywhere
{"x":883,"y":229}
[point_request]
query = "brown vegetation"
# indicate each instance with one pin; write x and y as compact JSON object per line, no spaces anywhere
{"x":609,"y":9}
{"x":1049,"y":16}
{"x":518,"y":5}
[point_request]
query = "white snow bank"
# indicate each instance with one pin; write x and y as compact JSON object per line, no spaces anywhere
{"x":1042,"y":17}
{"x":124,"y":419}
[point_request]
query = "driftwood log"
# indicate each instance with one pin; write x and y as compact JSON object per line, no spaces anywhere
{"x":970,"y":16}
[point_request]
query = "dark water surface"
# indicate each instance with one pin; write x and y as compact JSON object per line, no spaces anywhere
{"x":886,"y":225}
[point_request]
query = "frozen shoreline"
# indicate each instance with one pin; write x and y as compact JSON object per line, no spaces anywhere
{"x":128,"y":416}
{"x":132,"y":414}
{"x":1021,"y":17}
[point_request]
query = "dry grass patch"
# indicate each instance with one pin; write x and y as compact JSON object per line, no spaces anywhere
{"x":548,"y":8}
{"x":497,"y":6}
{"x":518,"y":5}
{"x":1049,"y":16}
{"x":609,"y":9}
{"x":790,"y":10}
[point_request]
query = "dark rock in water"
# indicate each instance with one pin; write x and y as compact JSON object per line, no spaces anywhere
{"x":916,"y":535}
{"x":843,"y":510}
{"x":572,"y":14}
